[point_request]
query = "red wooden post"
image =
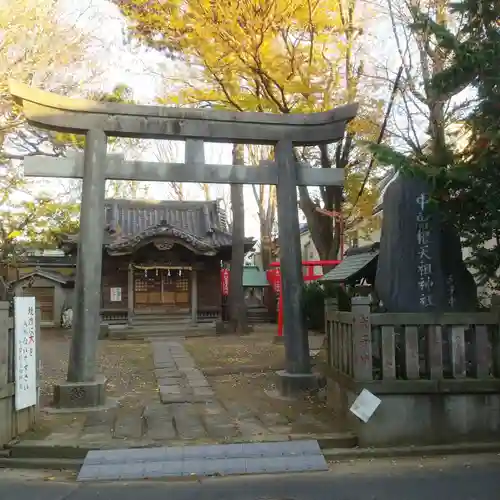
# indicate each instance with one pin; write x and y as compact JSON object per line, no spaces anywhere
{"x":274,"y":279}
{"x":280,"y":316}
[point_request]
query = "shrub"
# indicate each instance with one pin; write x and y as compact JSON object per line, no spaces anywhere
{"x":314,"y":302}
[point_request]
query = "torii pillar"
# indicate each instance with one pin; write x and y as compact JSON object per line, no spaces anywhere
{"x":85,"y":388}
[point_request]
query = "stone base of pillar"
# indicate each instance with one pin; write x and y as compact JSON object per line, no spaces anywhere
{"x":295,"y":384}
{"x":278,"y":339}
{"x":220,"y":328}
{"x":80,"y":394}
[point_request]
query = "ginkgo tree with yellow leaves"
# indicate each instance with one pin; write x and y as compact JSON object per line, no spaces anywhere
{"x":40,"y":46}
{"x":280,"y":56}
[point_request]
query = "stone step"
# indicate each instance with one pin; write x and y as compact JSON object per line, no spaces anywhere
{"x":154,"y":318}
{"x":157,"y":319}
{"x":254,"y":320}
{"x":160,"y":331}
{"x":161,"y":321}
{"x":173,"y":335}
{"x":166,"y":327}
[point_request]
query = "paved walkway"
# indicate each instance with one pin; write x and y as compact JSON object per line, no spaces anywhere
{"x":190,"y":402}
{"x":184,"y":410}
{"x":178,"y":378}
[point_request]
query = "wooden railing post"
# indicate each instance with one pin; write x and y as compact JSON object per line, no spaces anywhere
{"x":331,"y":305}
{"x":362,"y":339}
{"x":495,"y":308}
{"x":435,"y":351}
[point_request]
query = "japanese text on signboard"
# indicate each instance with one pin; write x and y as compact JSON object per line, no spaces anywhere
{"x":25,"y":345}
{"x":224,"y":281}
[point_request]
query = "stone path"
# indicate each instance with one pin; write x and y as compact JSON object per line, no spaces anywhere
{"x":187,"y":397}
{"x":179,"y":381}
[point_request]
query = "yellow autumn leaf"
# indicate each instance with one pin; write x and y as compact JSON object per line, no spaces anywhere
{"x":14,"y":234}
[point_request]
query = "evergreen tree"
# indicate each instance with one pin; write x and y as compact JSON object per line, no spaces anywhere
{"x":466,"y":180}
{"x":473,"y":184}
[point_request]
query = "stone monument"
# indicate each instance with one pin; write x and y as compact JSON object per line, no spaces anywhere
{"x":420,"y":265}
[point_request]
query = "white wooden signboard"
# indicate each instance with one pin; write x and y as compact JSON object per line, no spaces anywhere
{"x":25,"y":350}
{"x":116,"y":294}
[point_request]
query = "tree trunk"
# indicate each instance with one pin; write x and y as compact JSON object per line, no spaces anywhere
{"x":265,"y":250}
{"x":325,"y":232}
{"x":237,"y":309}
{"x":267,"y":218}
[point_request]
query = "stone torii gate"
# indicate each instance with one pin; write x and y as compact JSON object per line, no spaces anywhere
{"x":84,"y":387}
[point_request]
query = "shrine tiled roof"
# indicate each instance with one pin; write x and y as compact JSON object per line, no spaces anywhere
{"x":354,"y":263}
{"x":131,"y":217}
{"x":201,"y":225}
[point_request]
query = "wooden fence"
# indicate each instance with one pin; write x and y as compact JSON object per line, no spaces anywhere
{"x":420,"y":352}
{"x":12,"y":422}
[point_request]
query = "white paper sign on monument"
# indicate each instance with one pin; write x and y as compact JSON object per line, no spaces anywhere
{"x":25,"y":351}
{"x":365,"y":405}
{"x":116,"y":294}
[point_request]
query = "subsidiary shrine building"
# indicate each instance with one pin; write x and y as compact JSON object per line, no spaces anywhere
{"x":159,"y":258}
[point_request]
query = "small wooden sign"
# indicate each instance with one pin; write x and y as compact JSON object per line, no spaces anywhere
{"x":25,"y":351}
{"x":115,"y":294}
{"x":224,"y":281}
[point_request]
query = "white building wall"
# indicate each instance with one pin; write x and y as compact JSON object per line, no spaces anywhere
{"x":309,"y":252}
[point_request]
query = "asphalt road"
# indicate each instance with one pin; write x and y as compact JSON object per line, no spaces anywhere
{"x":457,"y":478}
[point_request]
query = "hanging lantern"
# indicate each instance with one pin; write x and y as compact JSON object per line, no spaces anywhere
{"x":168,"y":274}
{"x":180,"y":273}
{"x":156,"y":272}
{"x":145,"y":273}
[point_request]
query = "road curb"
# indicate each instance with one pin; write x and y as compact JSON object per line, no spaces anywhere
{"x":68,"y":458}
{"x":40,"y":449}
{"x":333,"y":454}
{"x":41,"y":463}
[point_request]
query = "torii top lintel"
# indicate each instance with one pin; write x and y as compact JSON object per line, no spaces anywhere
{"x":52,"y":111}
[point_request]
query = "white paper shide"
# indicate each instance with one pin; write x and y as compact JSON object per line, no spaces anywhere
{"x":25,"y":346}
{"x":365,"y":405}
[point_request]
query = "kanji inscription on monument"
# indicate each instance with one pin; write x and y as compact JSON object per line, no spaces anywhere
{"x":25,"y":346}
{"x":425,"y":282}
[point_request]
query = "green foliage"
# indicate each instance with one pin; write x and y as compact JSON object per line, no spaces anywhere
{"x":474,"y":195}
{"x":466,"y":181}
{"x":29,"y":222}
{"x":315,"y":295}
